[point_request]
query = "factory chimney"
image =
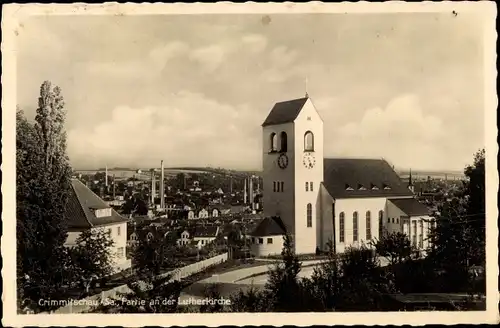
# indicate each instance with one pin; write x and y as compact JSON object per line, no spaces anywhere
{"x":153,"y":187}
{"x":250,"y":191}
{"x":106,"y":178}
{"x":162,"y":187}
{"x":245,"y":193}
{"x":114,"y":187}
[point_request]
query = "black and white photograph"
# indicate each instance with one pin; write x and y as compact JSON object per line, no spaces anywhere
{"x":278,"y":159}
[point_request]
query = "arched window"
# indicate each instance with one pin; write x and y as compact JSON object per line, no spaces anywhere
{"x":273,"y":140}
{"x":368,"y":225}
{"x":380,"y":223}
{"x":355,"y":226}
{"x":283,"y":140}
{"x":342,"y":227}
{"x":309,"y":141}
{"x":309,"y":215}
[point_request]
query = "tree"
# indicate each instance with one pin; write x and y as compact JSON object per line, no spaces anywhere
{"x":283,"y":285}
{"x":43,"y":186}
{"x":395,"y":247}
{"x":92,"y":257}
{"x":251,"y":300}
{"x":151,"y":291}
{"x":213,"y":295}
{"x":458,"y":239}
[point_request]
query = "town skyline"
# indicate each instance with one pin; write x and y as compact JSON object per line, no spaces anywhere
{"x":149,"y":88}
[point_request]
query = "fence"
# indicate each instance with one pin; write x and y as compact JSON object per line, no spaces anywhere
{"x":79,"y":306}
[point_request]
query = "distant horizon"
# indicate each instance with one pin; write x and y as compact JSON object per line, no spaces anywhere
{"x":399,"y":170}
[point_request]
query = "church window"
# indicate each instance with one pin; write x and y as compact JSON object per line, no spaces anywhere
{"x":308,"y":141}
{"x":274,"y":186}
{"x":261,"y":241}
{"x":388,"y":220}
{"x":309,"y":215}
{"x":355,"y":226}
{"x":392,"y":220}
{"x":269,"y":240}
{"x":397,"y":220}
{"x":283,"y":140}
{"x":282,"y":185}
{"x":342,"y":227}
{"x":368,"y":225}
{"x":311,"y":185}
{"x":273,"y":142}
{"x":307,"y":186}
{"x":380,"y":223}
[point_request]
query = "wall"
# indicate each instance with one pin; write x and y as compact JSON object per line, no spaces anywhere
{"x":278,"y":203}
{"x":324,"y":219}
{"x":307,"y":120}
{"x":177,"y":274}
{"x":361,"y":205}
{"x":267,"y":249}
{"x":393,"y":212}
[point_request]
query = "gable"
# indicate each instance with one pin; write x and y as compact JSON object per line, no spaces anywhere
{"x":86,"y":210}
{"x":358,"y":178}
{"x":284,"y":112}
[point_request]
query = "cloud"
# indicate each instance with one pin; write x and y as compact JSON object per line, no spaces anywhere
{"x":400,"y":132}
{"x":211,"y":57}
{"x":189,"y":130}
{"x":256,"y":43}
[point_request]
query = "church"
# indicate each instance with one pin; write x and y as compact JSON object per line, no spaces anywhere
{"x":316,"y":199}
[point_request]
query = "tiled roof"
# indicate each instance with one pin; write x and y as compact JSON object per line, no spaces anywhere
{"x":410,"y":206}
{"x":285,"y":112}
{"x":352,"y":178}
{"x":270,"y":226}
{"x":81,"y":207}
{"x":207,"y":231}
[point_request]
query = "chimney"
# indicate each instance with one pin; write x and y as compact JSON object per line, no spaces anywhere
{"x":114,"y":187}
{"x":245,"y":193}
{"x":162,"y":186}
{"x":106,"y":178}
{"x":250,"y":187}
{"x":153,"y":187}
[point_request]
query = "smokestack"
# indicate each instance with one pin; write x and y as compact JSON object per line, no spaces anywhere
{"x":162,"y":186}
{"x":250,"y":187}
{"x":245,"y":192}
{"x":231,"y":184}
{"x":106,"y":178}
{"x":114,"y":187}
{"x":153,"y":187}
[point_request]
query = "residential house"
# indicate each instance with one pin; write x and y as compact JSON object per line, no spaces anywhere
{"x":86,"y":211}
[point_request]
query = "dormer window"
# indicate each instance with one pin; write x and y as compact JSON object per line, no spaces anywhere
{"x":273,"y":140}
{"x":347,"y":187}
{"x":360,"y":187}
{"x":102,"y":212}
{"x":373,"y":187}
{"x":386,"y":187}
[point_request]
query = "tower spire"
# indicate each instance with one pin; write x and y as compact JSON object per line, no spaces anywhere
{"x":307,"y":95}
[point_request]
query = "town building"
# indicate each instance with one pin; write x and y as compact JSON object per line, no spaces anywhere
{"x":342,"y":200}
{"x":85,"y":210}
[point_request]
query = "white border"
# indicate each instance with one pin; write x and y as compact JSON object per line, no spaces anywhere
{"x":12,"y":13}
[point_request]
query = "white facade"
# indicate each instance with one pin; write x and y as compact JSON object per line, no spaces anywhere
{"x":118,"y":233}
{"x":185,"y":238}
{"x":284,"y":189}
{"x":203,"y":241}
{"x":415,"y":227}
{"x":266,"y":245}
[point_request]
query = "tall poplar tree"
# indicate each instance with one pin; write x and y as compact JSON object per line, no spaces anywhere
{"x":43,"y":182}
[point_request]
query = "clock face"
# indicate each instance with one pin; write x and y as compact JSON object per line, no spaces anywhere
{"x":309,"y":161}
{"x":283,"y":161}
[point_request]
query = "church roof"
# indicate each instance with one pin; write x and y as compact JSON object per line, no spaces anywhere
{"x":270,"y":226}
{"x":410,"y":206}
{"x":81,"y":207}
{"x":358,"y":178}
{"x":285,"y":111}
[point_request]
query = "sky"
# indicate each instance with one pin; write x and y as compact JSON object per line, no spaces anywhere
{"x":193,"y":90}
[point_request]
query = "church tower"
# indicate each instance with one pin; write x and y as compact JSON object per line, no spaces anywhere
{"x":293,"y":170}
